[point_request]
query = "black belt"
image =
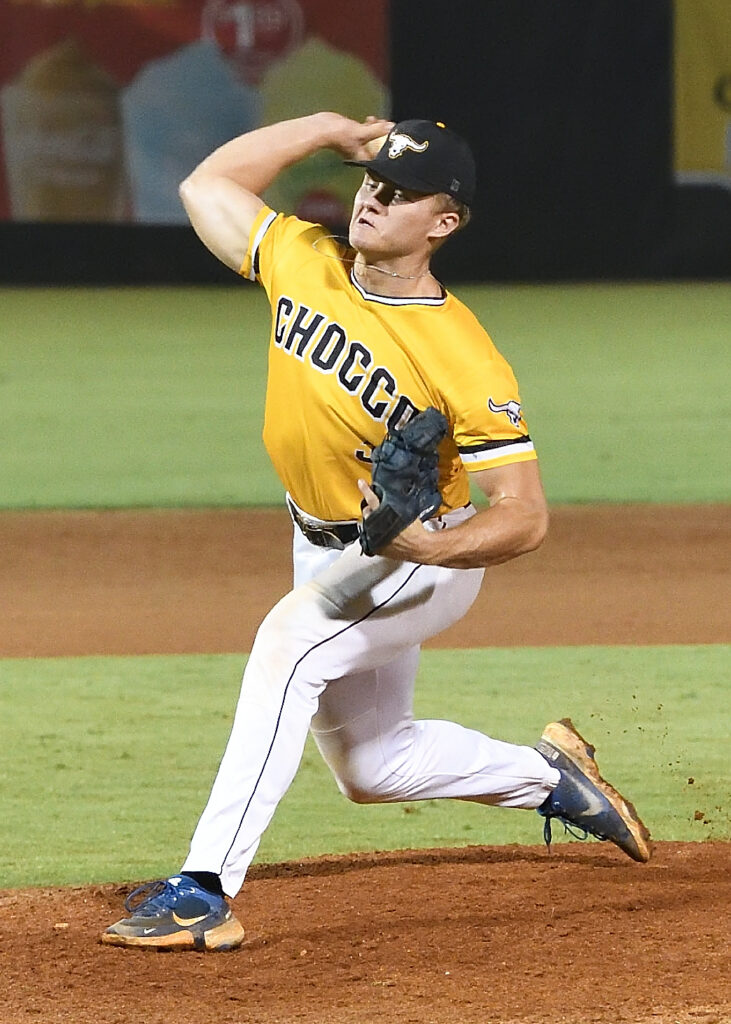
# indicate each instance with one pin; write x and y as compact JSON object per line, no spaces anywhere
{"x":325,"y":535}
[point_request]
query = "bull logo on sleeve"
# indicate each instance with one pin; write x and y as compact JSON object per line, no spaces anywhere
{"x":399,"y":143}
{"x":511,"y":410}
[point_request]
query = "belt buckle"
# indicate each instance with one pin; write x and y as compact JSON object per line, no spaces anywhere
{"x":320,"y":536}
{"x":329,"y":538}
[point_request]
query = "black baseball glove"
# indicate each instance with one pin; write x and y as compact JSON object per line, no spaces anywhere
{"x":404,"y":478}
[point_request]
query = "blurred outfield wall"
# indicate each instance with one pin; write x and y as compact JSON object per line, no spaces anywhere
{"x":601,"y":127}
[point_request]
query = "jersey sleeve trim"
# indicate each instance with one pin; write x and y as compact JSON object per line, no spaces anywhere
{"x":502,"y":460}
{"x":490,"y":453}
{"x":250,"y":266}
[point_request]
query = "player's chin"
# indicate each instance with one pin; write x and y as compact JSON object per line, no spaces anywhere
{"x":366,"y":228}
{"x":360,"y":234}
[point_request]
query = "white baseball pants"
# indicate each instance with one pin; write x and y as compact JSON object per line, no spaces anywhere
{"x":339,"y":655}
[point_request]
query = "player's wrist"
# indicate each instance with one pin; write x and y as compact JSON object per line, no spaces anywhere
{"x":415,"y":544}
{"x":328,"y":129}
{"x":346,"y":136}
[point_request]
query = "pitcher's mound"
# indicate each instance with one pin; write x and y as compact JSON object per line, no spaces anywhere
{"x":482,"y":935}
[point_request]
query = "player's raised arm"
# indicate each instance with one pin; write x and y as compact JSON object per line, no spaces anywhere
{"x":222,"y":195}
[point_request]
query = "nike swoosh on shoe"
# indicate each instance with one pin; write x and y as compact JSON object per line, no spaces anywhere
{"x":186,"y":922}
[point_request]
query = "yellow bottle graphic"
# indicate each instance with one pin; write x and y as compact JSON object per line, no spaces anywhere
{"x":62,"y":139}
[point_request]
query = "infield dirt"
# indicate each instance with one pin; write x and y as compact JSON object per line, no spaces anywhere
{"x":199,"y":582}
{"x":502,"y":935}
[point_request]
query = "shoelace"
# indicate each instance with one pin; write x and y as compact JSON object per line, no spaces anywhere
{"x":144,"y":893}
{"x":577,"y":831}
{"x":573,"y":830}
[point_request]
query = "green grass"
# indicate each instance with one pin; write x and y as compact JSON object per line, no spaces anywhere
{"x":112,"y":397}
{"x":620,"y":384}
{"x":105,"y":763}
{"x":123,"y":397}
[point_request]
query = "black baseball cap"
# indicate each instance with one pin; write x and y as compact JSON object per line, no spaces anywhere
{"x":425,"y":156}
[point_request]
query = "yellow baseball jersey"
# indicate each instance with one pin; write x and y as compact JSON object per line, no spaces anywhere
{"x":346,"y":365}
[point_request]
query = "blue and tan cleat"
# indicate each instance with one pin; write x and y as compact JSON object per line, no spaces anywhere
{"x":583,"y":800}
{"x":176,"y":914}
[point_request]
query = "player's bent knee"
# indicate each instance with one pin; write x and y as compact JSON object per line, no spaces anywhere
{"x":362,"y":790}
{"x":360,"y":794}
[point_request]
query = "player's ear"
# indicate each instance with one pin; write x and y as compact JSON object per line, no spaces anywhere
{"x":446,"y":223}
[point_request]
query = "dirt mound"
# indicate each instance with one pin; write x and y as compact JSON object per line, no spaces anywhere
{"x":501,"y":934}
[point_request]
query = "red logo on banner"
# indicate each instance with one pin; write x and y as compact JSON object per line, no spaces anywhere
{"x":253,"y":33}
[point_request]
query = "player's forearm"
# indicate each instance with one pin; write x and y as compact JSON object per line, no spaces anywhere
{"x":254,"y":160}
{"x":509,"y":528}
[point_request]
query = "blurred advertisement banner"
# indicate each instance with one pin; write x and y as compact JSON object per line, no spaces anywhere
{"x":703,"y":92}
{"x":106,"y":106}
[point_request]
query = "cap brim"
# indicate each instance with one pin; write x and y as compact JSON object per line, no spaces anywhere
{"x":402,"y":180}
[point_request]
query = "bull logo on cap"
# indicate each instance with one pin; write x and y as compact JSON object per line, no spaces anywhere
{"x":399,"y":143}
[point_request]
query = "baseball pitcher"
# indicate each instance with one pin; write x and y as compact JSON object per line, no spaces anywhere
{"x":384,"y":395}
